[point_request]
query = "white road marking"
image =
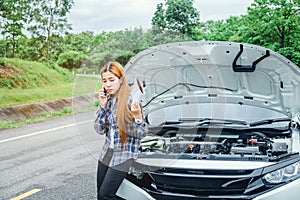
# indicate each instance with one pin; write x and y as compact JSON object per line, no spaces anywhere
{"x":44,"y":131}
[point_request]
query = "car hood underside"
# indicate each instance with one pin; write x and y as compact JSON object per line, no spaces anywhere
{"x":220,"y":75}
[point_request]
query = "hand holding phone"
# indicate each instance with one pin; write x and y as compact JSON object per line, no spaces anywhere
{"x":102,"y":97}
{"x":136,"y":110}
{"x":137,"y":91}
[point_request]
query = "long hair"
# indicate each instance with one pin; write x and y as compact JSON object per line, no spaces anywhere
{"x":124,"y":115}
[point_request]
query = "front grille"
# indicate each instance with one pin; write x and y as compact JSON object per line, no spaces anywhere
{"x":201,"y":182}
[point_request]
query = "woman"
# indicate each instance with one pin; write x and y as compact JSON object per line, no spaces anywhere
{"x":121,"y":121}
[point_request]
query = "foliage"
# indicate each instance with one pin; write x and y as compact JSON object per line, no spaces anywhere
{"x":222,"y":30}
{"x":15,"y":73}
{"x":274,"y":22}
{"x":158,"y":21}
{"x":42,"y":18}
{"x":13,"y":14}
{"x":291,"y":53}
{"x":81,"y":42}
{"x":49,"y":17}
{"x":119,"y":46}
{"x":179,"y":16}
{"x":28,"y":48}
{"x":71,"y":59}
{"x":270,"y":23}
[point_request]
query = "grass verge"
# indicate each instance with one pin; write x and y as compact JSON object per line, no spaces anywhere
{"x":10,"y":97}
{"x":44,"y":117}
{"x":17,"y":96}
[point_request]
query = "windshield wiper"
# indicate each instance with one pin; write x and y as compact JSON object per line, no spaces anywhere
{"x":189,"y":89}
{"x":269,"y":121}
{"x":221,"y":121}
{"x":202,"y":121}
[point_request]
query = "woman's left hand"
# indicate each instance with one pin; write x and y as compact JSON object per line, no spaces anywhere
{"x":136,"y":110}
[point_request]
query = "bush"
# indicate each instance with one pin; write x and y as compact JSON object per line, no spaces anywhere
{"x":71,"y":59}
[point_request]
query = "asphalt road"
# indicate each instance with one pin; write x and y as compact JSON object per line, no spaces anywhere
{"x":56,"y":159}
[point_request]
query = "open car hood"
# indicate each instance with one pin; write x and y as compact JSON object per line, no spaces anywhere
{"x":215,"y":78}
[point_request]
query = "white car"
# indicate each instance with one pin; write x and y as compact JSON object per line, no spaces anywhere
{"x":224,"y":123}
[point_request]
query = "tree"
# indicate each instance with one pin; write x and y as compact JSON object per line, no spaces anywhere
{"x":222,"y":30}
{"x":158,"y":21}
{"x":49,"y":17}
{"x":120,"y":46}
{"x":71,"y":59}
{"x":274,"y":22}
{"x":29,"y":48}
{"x":13,"y":15}
{"x":81,"y":42}
{"x":179,"y":17}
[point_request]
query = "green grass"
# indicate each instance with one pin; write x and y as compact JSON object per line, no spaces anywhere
{"x":23,"y":82}
{"x":17,"y":96}
{"x":85,"y":85}
{"x":16,"y":73}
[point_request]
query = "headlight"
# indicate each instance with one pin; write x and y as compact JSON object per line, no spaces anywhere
{"x":136,"y":172}
{"x":282,"y":175}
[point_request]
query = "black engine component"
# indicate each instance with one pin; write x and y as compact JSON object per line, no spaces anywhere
{"x":250,"y":144}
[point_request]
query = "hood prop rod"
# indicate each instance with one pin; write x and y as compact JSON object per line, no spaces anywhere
{"x":247,"y":68}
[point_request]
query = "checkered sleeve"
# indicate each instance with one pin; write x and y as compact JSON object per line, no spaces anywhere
{"x":140,"y":130}
{"x":101,"y":124}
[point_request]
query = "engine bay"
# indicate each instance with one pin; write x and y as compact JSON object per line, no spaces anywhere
{"x":226,"y":145}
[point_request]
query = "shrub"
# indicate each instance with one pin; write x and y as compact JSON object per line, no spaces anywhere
{"x":71,"y":59}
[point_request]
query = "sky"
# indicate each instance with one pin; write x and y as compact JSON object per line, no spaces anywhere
{"x":114,"y":15}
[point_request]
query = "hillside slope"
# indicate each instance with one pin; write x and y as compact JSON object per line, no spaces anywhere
{"x":27,"y":82}
{"x":15,"y":73}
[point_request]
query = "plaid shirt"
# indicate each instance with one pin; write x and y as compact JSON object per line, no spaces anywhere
{"x":106,"y":119}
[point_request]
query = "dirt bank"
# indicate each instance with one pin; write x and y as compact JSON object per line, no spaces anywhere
{"x":25,"y":111}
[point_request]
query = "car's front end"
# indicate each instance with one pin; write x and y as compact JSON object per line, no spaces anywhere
{"x":223,"y":123}
{"x":231,"y":180}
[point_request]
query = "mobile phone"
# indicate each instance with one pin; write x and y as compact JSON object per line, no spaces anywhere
{"x":104,"y":90}
{"x":137,"y":91}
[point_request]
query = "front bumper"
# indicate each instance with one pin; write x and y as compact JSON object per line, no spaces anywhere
{"x":129,"y":190}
